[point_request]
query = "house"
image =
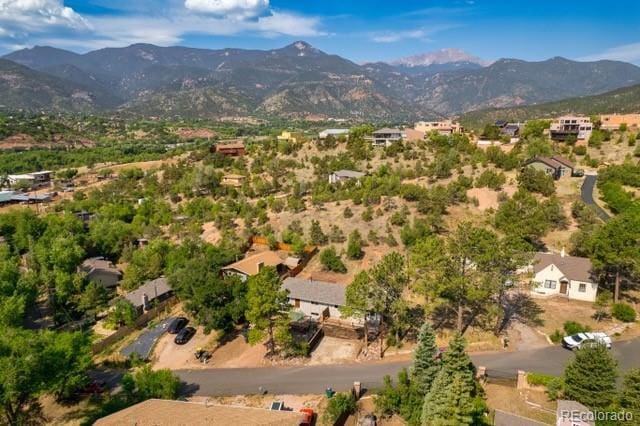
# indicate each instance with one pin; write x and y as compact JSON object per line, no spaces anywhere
{"x":554,"y":166}
{"x":233,"y":180}
{"x":161,"y":412}
{"x":571,"y":126}
{"x":315,"y":299}
{"x":412,"y":135}
{"x":13,"y":197}
{"x":229,"y":149}
{"x":563,"y":275}
{"x":385,"y":137}
{"x":287,"y":136}
{"x":444,"y":127}
{"x":253,"y":264}
{"x":152,"y":291}
{"x":572,"y":413}
{"x":101,"y":271}
{"x":336,"y":133}
{"x":613,"y":121}
{"x":343,"y":175}
{"x":34,"y":179}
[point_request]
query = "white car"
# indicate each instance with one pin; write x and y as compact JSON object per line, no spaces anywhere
{"x":579,"y":340}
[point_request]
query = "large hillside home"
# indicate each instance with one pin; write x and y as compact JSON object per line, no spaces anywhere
{"x":385,"y":137}
{"x":444,"y":127}
{"x":556,"y":166}
{"x":571,"y":126}
{"x":253,"y":264}
{"x":33,"y":180}
{"x":229,"y":149}
{"x":315,"y":299}
{"x":101,"y":271}
{"x":563,"y":275}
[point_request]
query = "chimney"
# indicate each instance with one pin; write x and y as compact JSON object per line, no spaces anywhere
{"x":562,"y":252}
{"x":260,"y":266}
{"x":145,"y":301}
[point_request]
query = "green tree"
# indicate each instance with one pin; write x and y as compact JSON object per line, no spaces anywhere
{"x":536,"y":181}
{"x":267,"y":305}
{"x":316,"y":234}
{"x":354,"y":245}
{"x":590,"y":377}
{"x":331,"y":260}
{"x":146,"y":383}
{"x":122,"y":313}
{"x":630,"y":393}
{"x":425,"y":362}
{"x":359,"y":302}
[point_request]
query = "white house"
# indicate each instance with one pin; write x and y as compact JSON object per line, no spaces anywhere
{"x":563,"y":275}
{"x":385,"y":137}
{"x":333,"y":132}
{"x":313,"y":298}
{"x":342,"y":175}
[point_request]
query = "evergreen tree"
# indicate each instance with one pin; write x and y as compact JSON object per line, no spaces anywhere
{"x":630,"y":394}
{"x":316,"y":234}
{"x":354,"y":246}
{"x":456,"y":360}
{"x":449,"y":402}
{"x":425,"y":364}
{"x":590,"y":378}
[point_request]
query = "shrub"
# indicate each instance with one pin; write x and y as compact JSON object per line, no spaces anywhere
{"x":556,"y":336}
{"x":347,"y":213}
{"x":539,"y":379}
{"x":623,"y":312}
{"x":341,"y":404}
{"x":572,"y":327}
{"x":555,"y":388}
{"x":331,"y":260}
{"x":580,"y":150}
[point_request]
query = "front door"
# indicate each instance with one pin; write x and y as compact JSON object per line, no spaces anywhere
{"x":563,"y":287}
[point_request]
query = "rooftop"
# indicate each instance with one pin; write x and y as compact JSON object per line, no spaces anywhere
{"x":249,"y":265}
{"x":98,"y":263}
{"x":315,"y":291}
{"x":573,"y":267}
{"x":349,"y":174}
{"x":386,"y":130}
{"x":153,"y":289}
{"x":158,"y":412}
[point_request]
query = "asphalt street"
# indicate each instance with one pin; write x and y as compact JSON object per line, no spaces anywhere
{"x":315,"y":379}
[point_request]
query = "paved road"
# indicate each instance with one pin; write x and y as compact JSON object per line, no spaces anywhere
{"x":314,"y":379}
{"x":145,"y":342}
{"x":586,"y":193}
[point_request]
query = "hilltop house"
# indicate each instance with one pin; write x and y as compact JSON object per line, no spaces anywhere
{"x":152,"y":291}
{"x":555,"y":166}
{"x":33,"y":180}
{"x":101,"y":271}
{"x":229,"y":149}
{"x":253,"y":264}
{"x":336,"y":133}
{"x":385,"y":137}
{"x":343,"y":175}
{"x":445,"y":127}
{"x":287,"y":136}
{"x":233,"y":180}
{"x":315,"y":299}
{"x":569,"y":126}
{"x":563,"y":275}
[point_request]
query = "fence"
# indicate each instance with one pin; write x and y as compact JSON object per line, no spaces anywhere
{"x":139,"y":323}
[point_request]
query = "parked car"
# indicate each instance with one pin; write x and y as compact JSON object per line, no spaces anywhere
{"x":184,"y":335}
{"x":177,"y":325}
{"x":578,"y":173}
{"x":580,"y":340}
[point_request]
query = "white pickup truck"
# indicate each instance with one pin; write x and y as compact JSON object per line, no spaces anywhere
{"x":579,"y":340}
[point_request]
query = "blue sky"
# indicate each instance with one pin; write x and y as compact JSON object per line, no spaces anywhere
{"x":358,"y":30}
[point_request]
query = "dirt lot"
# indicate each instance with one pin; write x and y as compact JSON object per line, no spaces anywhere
{"x":509,"y":399}
{"x":331,"y":350}
{"x":238,"y":354}
{"x":174,"y":357}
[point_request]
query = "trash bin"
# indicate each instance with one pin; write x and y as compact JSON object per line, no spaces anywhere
{"x":329,"y":392}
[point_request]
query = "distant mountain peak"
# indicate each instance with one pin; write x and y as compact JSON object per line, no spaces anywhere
{"x":299,"y":48}
{"x":439,"y":57}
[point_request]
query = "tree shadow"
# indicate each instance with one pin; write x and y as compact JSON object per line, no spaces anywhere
{"x":519,"y":307}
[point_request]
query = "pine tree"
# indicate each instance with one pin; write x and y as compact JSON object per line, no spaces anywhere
{"x":590,"y":378}
{"x":456,"y":360}
{"x":630,"y":394}
{"x":354,"y":246}
{"x":425,"y":364}
{"x":449,"y":402}
{"x":316,"y":234}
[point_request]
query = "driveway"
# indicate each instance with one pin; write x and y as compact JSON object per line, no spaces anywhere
{"x":143,"y":345}
{"x":586,"y":193}
{"x":315,"y":379}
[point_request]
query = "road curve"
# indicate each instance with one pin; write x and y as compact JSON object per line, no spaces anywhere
{"x":586,"y":193}
{"x":315,"y":379}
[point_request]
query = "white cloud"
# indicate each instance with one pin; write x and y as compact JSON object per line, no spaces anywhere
{"x":38,"y":15}
{"x":395,"y":36}
{"x":626,"y":53}
{"x":242,"y":9}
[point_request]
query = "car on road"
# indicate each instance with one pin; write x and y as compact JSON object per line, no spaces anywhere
{"x":177,"y":325}
{"x":184,"y":335}
{"x":581,"y":340}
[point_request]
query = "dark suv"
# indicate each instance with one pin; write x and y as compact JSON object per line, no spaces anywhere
{"x":184,"y":335}
{"x":177,"y":324}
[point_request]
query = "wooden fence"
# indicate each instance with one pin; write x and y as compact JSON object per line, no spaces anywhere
{"x":139,"y":323}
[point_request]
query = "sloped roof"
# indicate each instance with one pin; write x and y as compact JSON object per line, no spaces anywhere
{"x":159,"y":412}
{"x":153,"y":289}
{"x":249,"y":265}
{"x":563,"y":160}
{"x":349,"y":174}
{"x":322,"y":292}
{"x":99,"y":263}
{"x":572,"y":267}
{"x":387,"y":130}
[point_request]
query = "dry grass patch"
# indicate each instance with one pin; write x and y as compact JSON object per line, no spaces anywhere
{"x":511,"y":400}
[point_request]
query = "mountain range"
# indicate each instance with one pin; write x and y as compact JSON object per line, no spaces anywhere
{"x":294,"y":81}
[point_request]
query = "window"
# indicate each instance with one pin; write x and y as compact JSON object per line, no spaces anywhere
{"x":582,"y":288}
{"x":549,"y":284}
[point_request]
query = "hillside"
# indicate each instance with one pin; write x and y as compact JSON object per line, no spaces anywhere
{"x":299,"y":79}
{"x":625,"y":100}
